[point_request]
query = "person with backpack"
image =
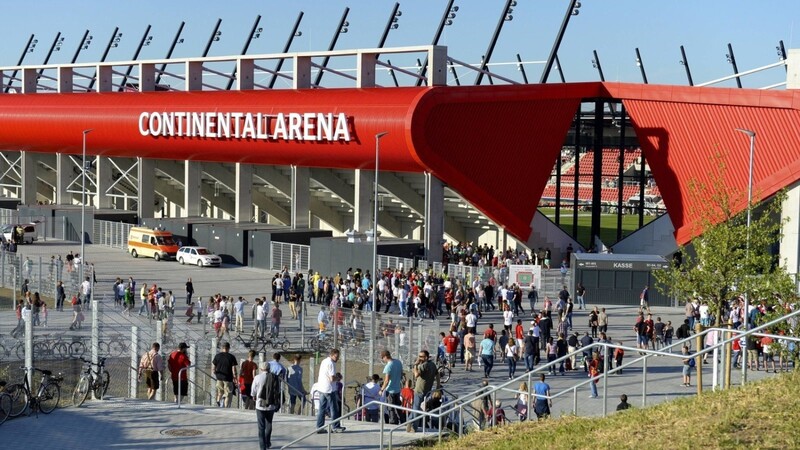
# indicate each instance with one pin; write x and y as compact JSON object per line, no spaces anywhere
{"x":267,"y":390}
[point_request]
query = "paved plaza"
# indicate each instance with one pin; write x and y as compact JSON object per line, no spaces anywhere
{"x":131,"y":423}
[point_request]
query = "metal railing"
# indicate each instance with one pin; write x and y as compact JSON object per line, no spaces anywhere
{"x":296,"y":257}
{"x":196,"y":385}
{"x":111,"y":234}
{"x":458,"y":405}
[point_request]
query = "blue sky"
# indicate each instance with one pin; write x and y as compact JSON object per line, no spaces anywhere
{"x":612,"y":27}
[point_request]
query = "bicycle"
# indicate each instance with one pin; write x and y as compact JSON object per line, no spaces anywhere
{"x":443,"y":367}
{"x":255,"y":343}
{"x":5,"y":404}
{"x":96,"y":381}
{"x":46,"y":398}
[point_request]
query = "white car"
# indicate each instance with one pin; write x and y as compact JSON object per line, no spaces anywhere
{"x":198,"y":256}
{"x":29,"y":233}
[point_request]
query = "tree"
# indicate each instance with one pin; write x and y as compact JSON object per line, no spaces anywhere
{"x":730,"y":258}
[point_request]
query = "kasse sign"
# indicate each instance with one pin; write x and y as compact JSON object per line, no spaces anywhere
{"x":246,"y":125}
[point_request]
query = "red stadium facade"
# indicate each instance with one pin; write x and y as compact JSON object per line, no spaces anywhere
{"x":495,"y":145}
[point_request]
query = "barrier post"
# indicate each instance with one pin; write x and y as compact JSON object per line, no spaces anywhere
{"x":698,"y":329}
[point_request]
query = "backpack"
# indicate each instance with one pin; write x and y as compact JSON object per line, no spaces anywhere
{"x":270,"y":392}
{"x":692,"y":363}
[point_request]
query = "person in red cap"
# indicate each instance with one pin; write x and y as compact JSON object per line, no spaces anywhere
{"x":178,"y":360}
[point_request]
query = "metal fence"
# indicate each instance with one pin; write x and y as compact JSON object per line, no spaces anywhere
{"x":296,"y":257}
{"x":469,"y":273}
{"x":394,"y":262}
{"x":42,"y":274}
{"x":111,"y":234}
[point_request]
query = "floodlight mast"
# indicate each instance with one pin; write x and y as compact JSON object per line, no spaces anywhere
{"x":175,"y":42}
{"x":254,"y":34}
{"x":286,"y":48}
{"x":19,"y":63}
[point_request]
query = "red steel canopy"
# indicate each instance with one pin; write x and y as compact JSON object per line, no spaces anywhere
{"x":495,"y":145}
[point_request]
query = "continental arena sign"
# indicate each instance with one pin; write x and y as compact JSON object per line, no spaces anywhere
{"x":245,"y":125}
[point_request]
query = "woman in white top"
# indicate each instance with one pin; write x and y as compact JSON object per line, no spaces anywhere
{"x":508,"y":318}
{"x":512,"y":355}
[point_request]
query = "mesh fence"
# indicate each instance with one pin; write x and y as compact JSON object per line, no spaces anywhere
{"x":43,"y":274}
{"x":352,"y":329}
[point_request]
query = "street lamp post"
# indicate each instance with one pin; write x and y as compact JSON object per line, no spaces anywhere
{"x":752,"y":135}
{"x":83,"y":201}
{"x":375,"y":255}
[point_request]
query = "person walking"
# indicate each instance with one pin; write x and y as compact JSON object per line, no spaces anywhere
{"x":151,"y":366}
{"x":328,"y":396}
{"x":189,"y":291}
{"x":267,"y":389}
{"x":487,"y":355}
{"x":392,"y":384}
{"x":543,"y":403}
{"x":297,"y":391}
{"x":224,"y":367}
{"x":178,"y":360}
{"x":580,"y":293}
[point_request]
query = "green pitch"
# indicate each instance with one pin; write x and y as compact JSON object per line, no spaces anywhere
{"x":608,"y":224}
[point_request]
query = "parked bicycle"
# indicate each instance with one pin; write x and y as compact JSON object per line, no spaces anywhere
{"x":5,"y":403}
{"x":254,"y":343}
{"x":46,"y":398}
{"x":96,"y":381}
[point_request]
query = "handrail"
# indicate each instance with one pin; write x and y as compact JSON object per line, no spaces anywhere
{"x":381,"y":404}
{"x":487,"y":390}
{"x":238,"y":397}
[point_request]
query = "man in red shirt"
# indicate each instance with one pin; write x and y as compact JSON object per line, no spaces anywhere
{"x":178,"y":360}
{"x":519,"y":333}
{"x":490,"y":333}
{"x":451,"y":347}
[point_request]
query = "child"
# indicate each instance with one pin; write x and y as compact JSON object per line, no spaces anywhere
{"x":618,"y":354}
{"x":688,"y":363}
{"x":407,"y":396}
{"x":44,"y":314}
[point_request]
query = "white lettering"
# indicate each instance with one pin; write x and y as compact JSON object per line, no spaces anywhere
{"x":198,"y":125}
{"x":246,"y":125}
{"x":280,"y":128}
{"x":249,"y":127}
{"x":168,"y":126}
{"x":341,"y":132}
{"x":155,"y":124}
{"x":181,"y":117}
{"x":211,"y":129}
{"x":262,"y":128}
{"x":144,"y":131}
{"x":294,"y":126}
{"x":308,"y":127}
{"x":223,"y":125}
{"x":325,"y":127}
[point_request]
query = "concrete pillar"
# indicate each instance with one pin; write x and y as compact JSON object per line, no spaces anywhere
{"x":301,"y":195}
{"x":103,"y":172}
{"x":147,"y":193}
{"x":790,"y":243}
{"x":793,"y":69}
{"x":192,"y":180}
{"x":434,"y":218}
{"x":244,"y":195}
{"x":63,"y":178}
{"x":28,"y":181}
{"x":363,"y":209}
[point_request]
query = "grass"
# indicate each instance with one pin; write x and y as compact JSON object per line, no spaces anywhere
{"x":757,"y":416}
{"x":608,"y":224}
